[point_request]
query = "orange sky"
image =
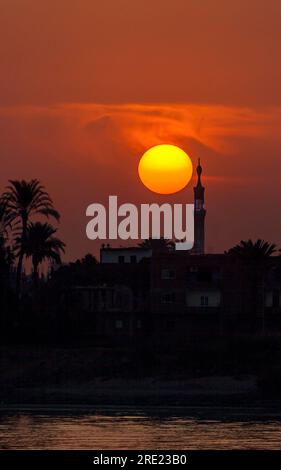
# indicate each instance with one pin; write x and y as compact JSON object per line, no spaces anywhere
{"x":86,"y":87}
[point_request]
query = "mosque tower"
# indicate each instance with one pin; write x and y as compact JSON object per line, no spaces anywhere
{"x":199,"y":214}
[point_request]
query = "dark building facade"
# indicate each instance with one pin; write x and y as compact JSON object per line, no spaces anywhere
{"x":155,"y":293}
{"x":175,"y":297}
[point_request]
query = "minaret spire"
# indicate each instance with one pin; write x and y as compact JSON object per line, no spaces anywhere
{"x":199,"y":213}
{"x":199,"y":173}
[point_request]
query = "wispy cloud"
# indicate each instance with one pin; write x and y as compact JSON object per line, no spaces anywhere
{"x":138,"y":126}
{"x":83,"y":152}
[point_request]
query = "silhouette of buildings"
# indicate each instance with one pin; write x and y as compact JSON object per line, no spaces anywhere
{"x":154,"y":293}
{"x":120,"y":255}
{"x":124,"y":255}
{"x":170,"y":297}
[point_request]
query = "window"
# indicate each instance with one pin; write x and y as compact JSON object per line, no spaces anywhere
{"x":168,"y":274}
{"x":204,"y":301}
{"x":133,"y":259}
{"x":168,"y":298}
{"x":118,"y":324}
{"x":121,"y":259}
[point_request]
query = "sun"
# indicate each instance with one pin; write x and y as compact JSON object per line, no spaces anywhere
{"x":165,"y":169}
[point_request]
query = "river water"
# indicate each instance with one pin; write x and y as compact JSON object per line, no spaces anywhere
{"x":195,"y":428}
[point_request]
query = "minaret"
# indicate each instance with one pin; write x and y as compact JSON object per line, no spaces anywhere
{"x":199,"y":215}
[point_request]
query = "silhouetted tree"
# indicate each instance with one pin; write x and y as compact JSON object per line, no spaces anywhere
{"x":82,"y":271}
{"x":6,"y":261}
{"x":158,"y":244}
{"x":88,"y":260}
{"x":3,"y":251}
{"x":22,"y":200}
{"x":6,"y":253}
{"x":254,"y":251}
{"x":4,"y":218}
{"x":255,"y":256}
{"x":41,"y":245}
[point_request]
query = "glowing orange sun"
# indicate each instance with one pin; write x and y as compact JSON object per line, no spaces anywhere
{"x":165,"y":169}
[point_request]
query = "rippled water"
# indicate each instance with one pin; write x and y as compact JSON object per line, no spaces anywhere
{"x":166,"y":429}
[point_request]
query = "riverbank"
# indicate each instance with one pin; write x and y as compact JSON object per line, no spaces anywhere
{"x":149,"y":391}
{"x":103,"y":377}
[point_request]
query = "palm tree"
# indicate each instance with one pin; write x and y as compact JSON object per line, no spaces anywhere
{"x":253,"y":251}
{"x":6,"y":253}
{"x":4,"y":219}
{"x":6,"y":261}
{"x":22,"y":200}
{"x":158,"y":244}
{"x":255,"y":255}
{"x":3,"y":251}
{"x":41,"y":245}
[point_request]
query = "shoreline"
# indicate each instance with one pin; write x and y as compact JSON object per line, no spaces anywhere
{"x":239,"y":412}
{"x":214,"y":391}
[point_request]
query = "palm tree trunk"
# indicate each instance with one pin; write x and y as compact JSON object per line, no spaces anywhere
{"x":35,"y":273}
{"x":21,"y":256}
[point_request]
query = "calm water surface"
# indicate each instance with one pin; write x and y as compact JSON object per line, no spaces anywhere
{"x":199,"y":428}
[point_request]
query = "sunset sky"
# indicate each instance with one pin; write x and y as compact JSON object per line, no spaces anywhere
{"x":87,"y":86}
